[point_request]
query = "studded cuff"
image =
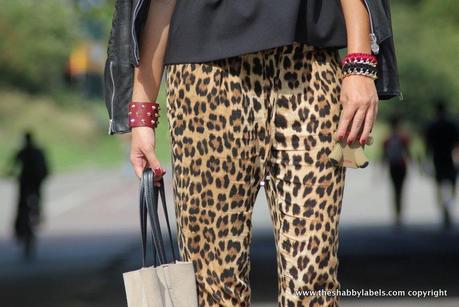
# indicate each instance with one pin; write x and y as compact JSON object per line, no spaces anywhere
{"x":143,"y":114}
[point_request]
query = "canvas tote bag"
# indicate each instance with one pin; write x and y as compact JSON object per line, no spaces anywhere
{"x":167,"y":284}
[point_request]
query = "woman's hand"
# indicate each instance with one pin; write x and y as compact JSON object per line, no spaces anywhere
{"x":360,"y":107}
{"x":143,"y":146}
{"x":358,"y":93}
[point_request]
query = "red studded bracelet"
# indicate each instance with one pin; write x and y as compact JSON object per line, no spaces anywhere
{"x":143,"y":114}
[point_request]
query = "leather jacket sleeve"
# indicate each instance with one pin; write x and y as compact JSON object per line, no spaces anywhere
{"x":387,"y":84}
{"x":122,"y":56}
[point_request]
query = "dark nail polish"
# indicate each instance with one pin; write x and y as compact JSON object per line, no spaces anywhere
{"x":350,"y":141}
{"x":362,"y":142}
{"x":157,"y":171}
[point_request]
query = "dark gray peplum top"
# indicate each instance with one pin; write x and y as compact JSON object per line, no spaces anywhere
{"x":204,"y":30}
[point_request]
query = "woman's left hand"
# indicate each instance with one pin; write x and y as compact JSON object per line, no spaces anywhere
{"x":360,"y":107}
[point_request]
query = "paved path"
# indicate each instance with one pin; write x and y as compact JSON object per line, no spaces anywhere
{"x":90,"y":237}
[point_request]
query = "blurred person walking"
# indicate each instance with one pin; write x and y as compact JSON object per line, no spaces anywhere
{"x":396,"y":156}
{"x":33,"y":169}
{"x":441,"y":139}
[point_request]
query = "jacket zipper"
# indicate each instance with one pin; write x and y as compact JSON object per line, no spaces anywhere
{"x":134,"y":17}
{"x":373,"y":38}
{"x":400,"y":97}
{"x":110,"y":125}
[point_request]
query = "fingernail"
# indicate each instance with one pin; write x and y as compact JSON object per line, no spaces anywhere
{"x":349,"y":141}
{"x":363,"y":141}
{"x":158,"y":171}
{"x":340,"y":137}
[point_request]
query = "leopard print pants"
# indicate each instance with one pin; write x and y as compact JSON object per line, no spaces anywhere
{"x":234,"y":123}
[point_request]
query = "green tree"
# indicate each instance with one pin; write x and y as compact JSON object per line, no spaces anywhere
{"x":427,"y":43}
{"x":36,"y":38}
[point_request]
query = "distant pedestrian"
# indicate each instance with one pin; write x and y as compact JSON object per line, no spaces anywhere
{"x":33,"y":171}
{"x":442,"y":137}
{"x":396,"y":155}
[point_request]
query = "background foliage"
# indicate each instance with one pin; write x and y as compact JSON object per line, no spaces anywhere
{"x":426,"y":34}
{"x":36,"y":38}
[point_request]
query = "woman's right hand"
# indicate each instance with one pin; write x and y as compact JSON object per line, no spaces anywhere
{"x":143,"y":146}
{"x":147,"y":81}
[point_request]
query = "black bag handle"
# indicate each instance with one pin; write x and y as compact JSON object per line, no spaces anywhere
{"x":162,"y":193}
{"x":143,"y":228}
{"x":149,"y":197}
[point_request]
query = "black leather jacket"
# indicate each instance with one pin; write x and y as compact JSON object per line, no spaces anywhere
{"x":123,"y":55}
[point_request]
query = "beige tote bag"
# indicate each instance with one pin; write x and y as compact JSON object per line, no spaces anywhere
{"x":165,"y":284}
